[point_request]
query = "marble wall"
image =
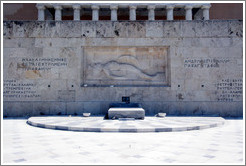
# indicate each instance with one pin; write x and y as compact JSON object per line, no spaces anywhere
{"x":70,"y":67}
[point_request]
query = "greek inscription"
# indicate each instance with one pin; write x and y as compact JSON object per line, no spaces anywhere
{"x":16,"y":89}
{"x":205,"y":63}
{"x":230,"y":90}
{"x":41,"y":63}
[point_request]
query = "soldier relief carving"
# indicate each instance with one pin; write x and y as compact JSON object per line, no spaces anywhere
{"x":124,"y":64}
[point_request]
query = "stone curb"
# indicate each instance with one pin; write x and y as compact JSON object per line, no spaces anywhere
{"x":132,"y":130}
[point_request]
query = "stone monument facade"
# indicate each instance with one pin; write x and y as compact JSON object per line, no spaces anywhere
{"x":189,"y":67}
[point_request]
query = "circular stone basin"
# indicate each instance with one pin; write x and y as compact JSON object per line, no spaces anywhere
{"x":149,"y":124}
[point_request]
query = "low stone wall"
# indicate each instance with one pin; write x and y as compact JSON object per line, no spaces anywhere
{"x":71,"y":67}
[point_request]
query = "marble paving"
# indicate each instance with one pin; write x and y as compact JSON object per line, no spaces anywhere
{"x":149,"y":124}
{"x":25,"y":144}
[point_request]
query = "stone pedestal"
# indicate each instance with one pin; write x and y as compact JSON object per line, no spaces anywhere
{"x":116,"y":113}
{"x":126,"y":110}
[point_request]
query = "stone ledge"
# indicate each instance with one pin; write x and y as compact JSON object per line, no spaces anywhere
{"x":123,"y":29}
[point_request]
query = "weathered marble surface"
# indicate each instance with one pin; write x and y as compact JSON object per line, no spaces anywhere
{"x":112,"y":65}
{"x":116,"y":113}
{"x":47,"y":66}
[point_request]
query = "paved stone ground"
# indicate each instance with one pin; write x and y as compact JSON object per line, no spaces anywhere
{"x":25,"y":144}
{"x":149,"y":124}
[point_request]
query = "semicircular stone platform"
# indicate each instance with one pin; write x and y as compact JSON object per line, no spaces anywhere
{"x":149,"y":124}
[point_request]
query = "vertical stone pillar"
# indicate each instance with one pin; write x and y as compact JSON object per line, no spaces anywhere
{"x":151,"y":13}
{"x":114,"y":9}
{"x":170,"y":12}
{"x":95,"y":12}
{"x":76,"y":12}
{"x":132,"y":12}
{"x":205,"y":11}
{"x":41,"y":8}
{"x":58,"y":13}
{"x":188,"y":12}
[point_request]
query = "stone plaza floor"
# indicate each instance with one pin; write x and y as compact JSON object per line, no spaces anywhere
{"x":149,"y":124}
{"x":26,"y":144}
